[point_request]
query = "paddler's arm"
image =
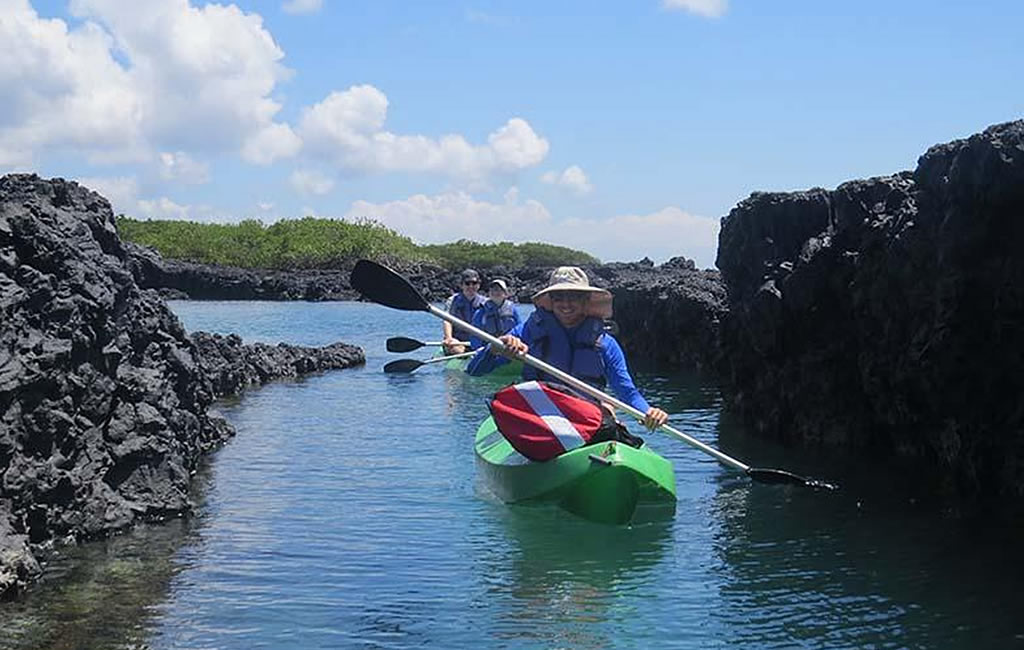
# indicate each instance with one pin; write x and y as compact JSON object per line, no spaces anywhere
{"x":621,"y":382}
{"x":447,"y":336}
{"x":485,"y":361}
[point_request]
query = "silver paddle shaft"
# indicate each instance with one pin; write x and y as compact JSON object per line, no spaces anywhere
{"x":460,"y":355}
{"x":584,"y":387}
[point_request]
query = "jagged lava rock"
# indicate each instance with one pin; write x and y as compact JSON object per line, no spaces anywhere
{"x":103,"y":407}
{"x":668,"y":316}
{"x":889,"y":313}
{"x":233,"y":366}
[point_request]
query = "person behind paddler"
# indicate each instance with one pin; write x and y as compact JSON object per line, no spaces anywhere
{"x":566,"y":330}
{"x":498,"y":314}
{"x":462,"y":305}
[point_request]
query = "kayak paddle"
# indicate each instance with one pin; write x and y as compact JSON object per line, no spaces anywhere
{"x":385,"y":287}
{"x":408,"y":365}
{"x":403,"y":344}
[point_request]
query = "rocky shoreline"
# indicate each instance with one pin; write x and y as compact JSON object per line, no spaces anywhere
{"x":232,"y":366}
{"x":668,"y":314}
{"x":888,"y":315}
{"x":105,"y":400}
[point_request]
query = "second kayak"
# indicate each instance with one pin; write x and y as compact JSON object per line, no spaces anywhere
{"x":510,"y":369}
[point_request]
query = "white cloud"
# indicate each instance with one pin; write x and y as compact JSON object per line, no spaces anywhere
{"x":123,"y":194}
{"x":308,"y":181}
{"x":62,"y":88}
{"x":131,"y":82}
{"x":659,"y":235}
{"x":265,"y":206}
{"x":162,"y":208}
{"x":347,"y":127}
{"x":446,"y":217}
{"x":136,"y":78}
{"x":517,"y":146}
{"x":455,"y":215}
{"x":484,"y":18}
{"x":15,"y":157}
{"x":708,"y":8}
{"x":181,"y":167}
{"x":572,"y":179}
{"x":302,"y":6}
{"x":270,"y":143}
{"x":121,"y":191}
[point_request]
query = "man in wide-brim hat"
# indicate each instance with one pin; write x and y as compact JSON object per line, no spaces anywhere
{"x":567,"y":331}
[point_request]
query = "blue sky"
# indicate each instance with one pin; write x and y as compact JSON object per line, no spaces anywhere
{"x":626,"y":128}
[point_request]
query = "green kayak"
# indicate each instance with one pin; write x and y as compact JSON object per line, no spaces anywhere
{"x":607,"y":482}
{"x":511,"y":369}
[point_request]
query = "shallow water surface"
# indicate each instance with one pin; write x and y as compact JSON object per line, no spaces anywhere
{"x":347,"y":513}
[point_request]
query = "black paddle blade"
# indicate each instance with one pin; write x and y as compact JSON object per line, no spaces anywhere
{"x":764,"y":475}
{"x":402,"y":344}
{"x":385,"y":287}
{"x":402,"y":365}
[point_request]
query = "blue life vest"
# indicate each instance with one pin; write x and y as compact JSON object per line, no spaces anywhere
{"x":498,"y":320}
{"x":580,"y":357}
{"x":463,"y":309}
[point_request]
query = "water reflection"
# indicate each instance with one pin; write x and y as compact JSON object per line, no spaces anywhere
{"x":865,"y":567}
{"x":561,"y":580}
{"x":679,"y":393}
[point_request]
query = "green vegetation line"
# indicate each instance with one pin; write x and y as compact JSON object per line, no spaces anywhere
{"x":312,"y":243}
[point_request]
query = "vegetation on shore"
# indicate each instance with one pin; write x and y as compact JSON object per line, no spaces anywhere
{"x":313,"y":243}
{"x":463,"y":253}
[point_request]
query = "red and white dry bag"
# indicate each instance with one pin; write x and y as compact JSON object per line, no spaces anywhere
{"x":541,"y":420}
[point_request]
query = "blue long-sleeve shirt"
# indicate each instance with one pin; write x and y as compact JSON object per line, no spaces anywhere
{"x":616,"y":373}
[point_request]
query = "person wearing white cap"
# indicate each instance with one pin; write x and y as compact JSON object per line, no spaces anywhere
{"x":498,"y":315}
{"x":461,"y":305}
{"x":567,"y":331}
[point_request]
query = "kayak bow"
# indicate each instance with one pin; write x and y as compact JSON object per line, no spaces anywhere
{"x":504,"y":372}
{"x":608,"y":482}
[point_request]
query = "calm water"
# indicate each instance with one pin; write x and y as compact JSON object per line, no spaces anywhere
{"x":347,"y":513}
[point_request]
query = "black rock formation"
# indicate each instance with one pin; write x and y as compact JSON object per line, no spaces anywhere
{"x":668,"y":316}
{"x":103,"y":408}
{"x":232,"y":366}
{"x":104,"y":399}
{"x":889,"y":313}
{"x":178,"y":279}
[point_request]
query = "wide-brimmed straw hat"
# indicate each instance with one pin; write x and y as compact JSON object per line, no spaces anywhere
{"x":572,"y":278}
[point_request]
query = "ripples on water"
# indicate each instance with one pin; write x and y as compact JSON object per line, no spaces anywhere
{"x":347,"y":513}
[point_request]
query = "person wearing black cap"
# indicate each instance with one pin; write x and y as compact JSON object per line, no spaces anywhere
{"x":498,"y":315}
{"x":462,"y":305}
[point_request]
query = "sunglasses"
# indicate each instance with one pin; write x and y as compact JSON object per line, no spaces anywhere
{"x":568,"y":296}
{"x":468,"y":283}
